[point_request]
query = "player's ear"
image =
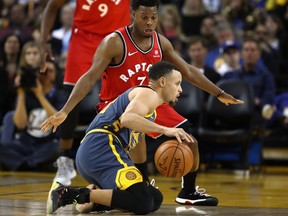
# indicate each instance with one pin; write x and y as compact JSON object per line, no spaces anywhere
{"x":162,"y":81}
{"x":133,"y":14}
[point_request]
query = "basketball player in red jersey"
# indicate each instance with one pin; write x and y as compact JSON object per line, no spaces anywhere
{"x":125,"y":56}
{"x":92,"y":21}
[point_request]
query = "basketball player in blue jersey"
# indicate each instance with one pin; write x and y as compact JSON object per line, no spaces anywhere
{"x":103,"y":156}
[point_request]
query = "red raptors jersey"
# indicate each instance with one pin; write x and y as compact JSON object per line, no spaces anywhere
{"x":132,"y":70}
{"x":102,"y":16}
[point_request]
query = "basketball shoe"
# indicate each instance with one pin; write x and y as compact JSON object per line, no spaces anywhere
{"x":60,"y":196}
{"x":66,"y":171}
{"x":199,"y":197}
{"x":91,"y":207}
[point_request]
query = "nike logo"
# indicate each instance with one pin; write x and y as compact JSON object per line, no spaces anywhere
{"x":130,"y":54}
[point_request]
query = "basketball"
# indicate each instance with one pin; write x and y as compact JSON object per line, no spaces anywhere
{"x":173,"y":159}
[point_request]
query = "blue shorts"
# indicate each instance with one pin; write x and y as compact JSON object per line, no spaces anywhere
{"x":102,"y":160}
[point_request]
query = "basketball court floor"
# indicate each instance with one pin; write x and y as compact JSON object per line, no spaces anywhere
{"x":262,"y":193}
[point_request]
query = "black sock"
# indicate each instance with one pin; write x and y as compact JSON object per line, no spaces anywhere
{"x":143,"y":168}
{"x":84,"y":195}
{"x":66,"y":153}
{"x":189,"y":181}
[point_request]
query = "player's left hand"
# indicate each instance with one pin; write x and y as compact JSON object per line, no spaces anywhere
{"x":229,"y":99}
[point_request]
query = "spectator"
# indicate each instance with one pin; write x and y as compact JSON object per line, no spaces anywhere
{"x":241,"y":16}
{"x":229,"y":59}
{"x":261,"y":80}
{"x":9,"y":59}
{"x":207,"y":31}
{"x":61,"y":37}
{"x":170,"y":24}
{"x":17,"y":24}
{"x":30,"y":55}
{"x":35,"y":11}
{"x":270,"y":55}
{"x":212,"y":7}
{"x":277,"y":38}
{"x":277,"y":114}
{"x":192,"y":13}
{"x":5,"y":8}
{"x":223,"y":32}
{"x":28,"y":148}
{"x":197,"y":51}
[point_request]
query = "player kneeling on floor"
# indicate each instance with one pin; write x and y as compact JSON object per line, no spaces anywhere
{"x":103,"y":156}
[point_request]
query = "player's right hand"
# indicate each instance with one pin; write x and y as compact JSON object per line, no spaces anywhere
{"x":46,"y":53}
{"x":53,"y":121}
{"x":179,"y":134}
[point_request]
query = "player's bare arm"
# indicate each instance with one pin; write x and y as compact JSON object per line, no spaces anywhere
{"x":109,"y":50}
{"x":142,"y":103}
{"x":193,"y":75}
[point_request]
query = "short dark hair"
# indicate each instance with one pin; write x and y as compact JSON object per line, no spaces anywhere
{"x":253,"y":40}
{"x":161,"y":69}
{"x":148,"y":3}
{"x":197,"y":39}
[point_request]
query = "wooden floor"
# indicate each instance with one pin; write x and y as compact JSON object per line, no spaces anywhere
{"x":263,"y":193}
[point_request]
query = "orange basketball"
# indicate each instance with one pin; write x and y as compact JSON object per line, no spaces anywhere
{"x":173,"y":159}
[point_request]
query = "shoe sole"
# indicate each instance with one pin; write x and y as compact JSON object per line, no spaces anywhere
{"x":50,"y":205}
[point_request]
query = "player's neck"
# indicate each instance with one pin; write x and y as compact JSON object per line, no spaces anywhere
{"x":152,"y":85}
{"x":137,"y":37}
{"x":155,"y":87}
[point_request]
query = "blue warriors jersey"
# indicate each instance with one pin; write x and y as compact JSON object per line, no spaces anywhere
{"x":109,"y":120}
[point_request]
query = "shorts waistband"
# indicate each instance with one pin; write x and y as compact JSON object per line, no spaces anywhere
{"x":101,"y":130}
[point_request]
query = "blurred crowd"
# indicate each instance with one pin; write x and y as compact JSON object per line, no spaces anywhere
{"x":225,"y":39}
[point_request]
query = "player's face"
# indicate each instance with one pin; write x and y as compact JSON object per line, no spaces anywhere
{"x":145,"y":20}
{"x":172,"y":88}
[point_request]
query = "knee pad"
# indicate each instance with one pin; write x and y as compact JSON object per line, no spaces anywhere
{"x":143,"y":202}
{"x":158,"y":197}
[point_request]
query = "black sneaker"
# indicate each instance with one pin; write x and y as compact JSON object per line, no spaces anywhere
{"x":199,"y":197}
{"x":60,"y":196}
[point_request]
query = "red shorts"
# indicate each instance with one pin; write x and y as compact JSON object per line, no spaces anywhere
{"x":167,"y":116}
{"x":81,"y":50}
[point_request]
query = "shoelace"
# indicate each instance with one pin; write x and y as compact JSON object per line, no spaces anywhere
{"x":67,"y":197}
{"x":152,"y":182}
{"x":201,"y":191}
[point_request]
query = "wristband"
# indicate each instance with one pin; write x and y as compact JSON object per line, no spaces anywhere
{"x":220,"y":93}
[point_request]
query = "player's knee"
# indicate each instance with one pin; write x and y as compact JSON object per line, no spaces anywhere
{"x":158,"y":197}
{"x":143,"y":203}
